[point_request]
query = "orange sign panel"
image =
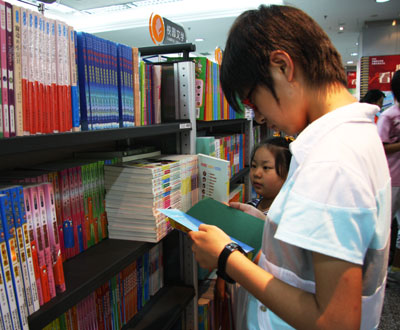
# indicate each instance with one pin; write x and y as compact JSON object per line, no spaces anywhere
{"x":157,"y":29}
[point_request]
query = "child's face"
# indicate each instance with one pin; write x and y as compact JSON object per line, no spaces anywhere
{"x":263,"y":176}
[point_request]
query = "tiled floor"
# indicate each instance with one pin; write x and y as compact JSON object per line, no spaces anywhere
{"x":390,"y":319}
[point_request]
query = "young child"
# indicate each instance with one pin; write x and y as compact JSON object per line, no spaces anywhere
{"x":269,"y":167}
{"x":326,"y":237}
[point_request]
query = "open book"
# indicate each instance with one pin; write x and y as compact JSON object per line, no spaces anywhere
{"x":244,"y":229}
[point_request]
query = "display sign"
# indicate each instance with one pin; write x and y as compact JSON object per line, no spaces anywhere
{"x":218,"y":55}
{"x":381,"y":70}
{"x":351,"y":79}
{"x":163,"y":31}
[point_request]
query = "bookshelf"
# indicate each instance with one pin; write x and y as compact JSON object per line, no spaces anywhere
{"x":176,"y":303}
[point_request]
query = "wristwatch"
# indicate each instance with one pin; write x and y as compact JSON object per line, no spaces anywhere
{"x":223,"y":257}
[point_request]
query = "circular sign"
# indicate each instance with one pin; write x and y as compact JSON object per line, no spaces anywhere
{"x":218,"y":55}
{"x":156,"y":27}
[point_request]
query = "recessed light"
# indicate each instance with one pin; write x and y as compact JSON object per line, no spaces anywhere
{"x":341,"y":28}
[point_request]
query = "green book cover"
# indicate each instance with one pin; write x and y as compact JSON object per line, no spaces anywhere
{"x":238,"y":225}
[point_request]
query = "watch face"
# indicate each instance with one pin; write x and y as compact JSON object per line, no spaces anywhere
{"x":234,"y":246}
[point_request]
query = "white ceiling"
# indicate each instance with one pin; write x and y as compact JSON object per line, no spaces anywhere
{"x":211,"y":19}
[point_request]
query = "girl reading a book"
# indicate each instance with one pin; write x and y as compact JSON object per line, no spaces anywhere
{"x":327,"y":232}
{"x":269,"y":166}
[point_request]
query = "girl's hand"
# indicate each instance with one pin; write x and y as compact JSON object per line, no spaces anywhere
{"x":208,"y":244}
{"x":249,"y":209}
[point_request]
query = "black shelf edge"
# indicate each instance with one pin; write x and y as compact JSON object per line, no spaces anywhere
{"x":22,"y":144}
{"x":86,"y":272}
{"x":201,"y":124}
{"x":239,"y":175}
{"x":163,"y":310}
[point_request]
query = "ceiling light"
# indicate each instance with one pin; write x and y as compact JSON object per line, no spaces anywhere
{"x":350,"y":62}
{"x":394,"y":23}
{"x":353,"y":54}
{"x":341,"y":28}
{"x":380,"y":1}
{"x":199,"y":39}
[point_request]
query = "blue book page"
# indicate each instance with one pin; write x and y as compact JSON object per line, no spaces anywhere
{"x":190,"y":223}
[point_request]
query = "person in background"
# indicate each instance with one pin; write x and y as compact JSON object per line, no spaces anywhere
{"x":389,"y":131}
{"x":325,"y":240}
{"x":374,"y":96}
{"x":269,"y":166}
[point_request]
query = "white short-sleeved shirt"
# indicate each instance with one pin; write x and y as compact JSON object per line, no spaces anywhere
{"x":335,"y":201}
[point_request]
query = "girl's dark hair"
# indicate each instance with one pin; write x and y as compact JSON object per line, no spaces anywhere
{"x":279,"y":147}
{"x":256,"y":33}
{"x":372,"y":96}
{"x":395,"y":85}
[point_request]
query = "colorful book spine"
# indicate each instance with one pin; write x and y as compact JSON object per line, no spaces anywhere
{"x":7,"y":296}
{"x":25,"y":70}
{"x":35,"y":277}
{"x":10,"y":66}
{"x":15,"y":271}
{"x":74,"y":80}
{"x":17,"y":36}
{"x":46,"y":240}
{"x":27,"y":248}
{"x":54,"y":239}
{"x":39,"y":242}
{"x":15,"y":201}
{"x":4,"y":76}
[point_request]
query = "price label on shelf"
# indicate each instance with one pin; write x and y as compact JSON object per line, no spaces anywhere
{"x":185,"y":126}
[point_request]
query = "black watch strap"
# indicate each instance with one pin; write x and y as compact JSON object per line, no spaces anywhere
{"x":223,"y":257}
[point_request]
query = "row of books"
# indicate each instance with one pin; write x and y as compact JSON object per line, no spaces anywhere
{"x":108,"y":82}
{"x":31,"y":264}
{"x":211,"y":103}
{"x":230,"y":147}
{"x":206,"y":305}
{"x":114,"y":304}
{"x":79,"y":200}
{"x":42,"y":79}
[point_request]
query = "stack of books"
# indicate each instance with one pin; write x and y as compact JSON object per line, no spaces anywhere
{"x":134,"y":192}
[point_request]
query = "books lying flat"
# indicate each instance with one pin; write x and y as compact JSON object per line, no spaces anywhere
{"x":241,"y":227}
{"x":134,"y":191}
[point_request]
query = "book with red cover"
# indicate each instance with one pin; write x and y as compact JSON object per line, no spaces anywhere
{"x":46,"y":240}
{"x":32,"y":244}
{"x":54,"y":239}
{"x":39,"y":243}
{"x":25,"y":70}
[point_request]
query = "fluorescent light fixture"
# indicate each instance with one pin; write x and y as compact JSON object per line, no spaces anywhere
{"x":199,"y":39}
{"x":381,"y":1}
{"x":350,"y":62}
{"x":353,"y":54}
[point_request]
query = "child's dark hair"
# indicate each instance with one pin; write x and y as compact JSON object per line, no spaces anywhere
{"x":279,"y":147}
{"x":395,"y":85}
{"x":256,"y":33}
{"x":372,"y":96}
